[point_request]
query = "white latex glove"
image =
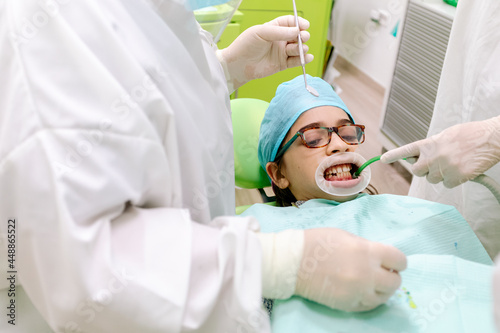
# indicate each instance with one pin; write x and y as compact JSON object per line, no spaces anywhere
{"x":336,"y":269}
{"x":263,"y":50}
{"x":456,"y":155}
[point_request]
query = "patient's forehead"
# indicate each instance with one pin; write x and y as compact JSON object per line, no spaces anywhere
{"x":326,"y":116}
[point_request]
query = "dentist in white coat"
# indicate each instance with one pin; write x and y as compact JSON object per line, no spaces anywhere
{"x":117,"y":181}
{"x":464,"y":135}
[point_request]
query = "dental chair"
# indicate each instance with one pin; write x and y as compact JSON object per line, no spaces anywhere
{"x":247,"y":114}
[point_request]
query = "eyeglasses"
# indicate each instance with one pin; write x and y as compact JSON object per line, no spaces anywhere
{"x":317,"y":137}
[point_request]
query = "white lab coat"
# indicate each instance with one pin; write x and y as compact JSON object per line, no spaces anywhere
{"x":469,"y":90}
{"x":115,"y":136}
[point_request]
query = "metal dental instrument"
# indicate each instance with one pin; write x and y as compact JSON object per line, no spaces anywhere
{"x":301,"y":52}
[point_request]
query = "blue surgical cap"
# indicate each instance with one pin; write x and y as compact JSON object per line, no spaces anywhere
{"x":291,"y":100}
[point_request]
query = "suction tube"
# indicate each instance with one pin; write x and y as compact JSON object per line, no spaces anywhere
{"x":492,"y":185}
{"x":345,"y":187}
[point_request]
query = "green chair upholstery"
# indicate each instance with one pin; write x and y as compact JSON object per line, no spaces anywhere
{"x":247,"y":114}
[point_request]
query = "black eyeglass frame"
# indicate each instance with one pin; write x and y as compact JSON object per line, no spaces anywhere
{"x":330,"y":130}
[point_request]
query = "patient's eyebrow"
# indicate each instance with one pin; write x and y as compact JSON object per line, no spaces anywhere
{"x":344,"y":121}
{"x":340,"y":122}
{"x":311,"y":125}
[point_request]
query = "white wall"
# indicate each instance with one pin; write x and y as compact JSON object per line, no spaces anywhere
{"x":369,"y":46}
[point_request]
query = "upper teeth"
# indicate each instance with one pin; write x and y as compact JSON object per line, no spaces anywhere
{"x":337,"y":169}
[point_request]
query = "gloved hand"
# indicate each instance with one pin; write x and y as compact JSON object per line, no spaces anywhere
{"x":347,"y":272}
{"x":336,"y":269}
{"x":263,"y":50}
{"x":456,"y":155}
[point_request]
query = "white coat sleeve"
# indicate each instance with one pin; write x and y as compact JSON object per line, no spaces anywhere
{"x":113,"y":266}
{"x":104,"y":243}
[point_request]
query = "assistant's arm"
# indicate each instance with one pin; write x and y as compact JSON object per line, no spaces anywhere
{"x":90,"y":258}
{"x":456,"y":155}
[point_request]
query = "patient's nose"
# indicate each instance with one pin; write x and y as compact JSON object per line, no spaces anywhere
{"x":337,"y":145}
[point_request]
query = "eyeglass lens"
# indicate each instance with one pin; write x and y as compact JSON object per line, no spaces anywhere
{"x":316,"y":137}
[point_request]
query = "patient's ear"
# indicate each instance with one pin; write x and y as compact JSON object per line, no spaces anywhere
{"x":276,"y":176}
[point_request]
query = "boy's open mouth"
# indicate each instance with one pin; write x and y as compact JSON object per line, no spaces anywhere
{"x":334,"y":174}
{"x":340,"y":172}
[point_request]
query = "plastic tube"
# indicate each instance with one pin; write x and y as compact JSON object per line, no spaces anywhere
{"x":367,"y":163}
{"x":490,"y":184}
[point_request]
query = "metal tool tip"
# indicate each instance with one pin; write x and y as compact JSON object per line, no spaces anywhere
{"x":312,"y":91}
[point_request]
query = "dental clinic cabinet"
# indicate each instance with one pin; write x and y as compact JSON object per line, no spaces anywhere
{"x":409,"y":101}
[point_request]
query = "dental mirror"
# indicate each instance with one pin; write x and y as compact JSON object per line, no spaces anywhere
{"x":301,"y":52}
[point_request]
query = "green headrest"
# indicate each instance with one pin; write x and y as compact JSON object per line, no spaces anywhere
{"x":247,"y":114}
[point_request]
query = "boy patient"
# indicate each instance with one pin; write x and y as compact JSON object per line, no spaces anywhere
{"x":307,"y":146}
